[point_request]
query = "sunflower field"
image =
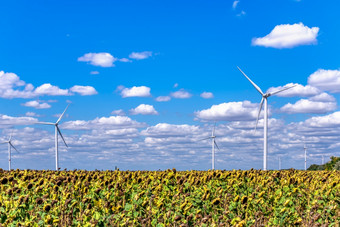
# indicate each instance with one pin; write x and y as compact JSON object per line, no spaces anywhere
{"x":169,"y":198}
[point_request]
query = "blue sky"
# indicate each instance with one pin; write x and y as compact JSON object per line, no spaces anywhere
{"x":147,"y":80}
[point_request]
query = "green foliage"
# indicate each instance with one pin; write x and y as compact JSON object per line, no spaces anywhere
{"x":333,"y":164}
{"x":169,"y":198}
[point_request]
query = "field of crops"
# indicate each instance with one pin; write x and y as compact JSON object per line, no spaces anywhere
{"x":175,"y":198}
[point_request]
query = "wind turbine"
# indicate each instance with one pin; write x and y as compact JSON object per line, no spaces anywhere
{"x":323,"y":160}
{"x":279,"y":163}
{"x":56,"y":130}
{"x":305,"y":148}
{"x":10,"y":145}
{"x":265,"y":129}
{"x":213,"y":144}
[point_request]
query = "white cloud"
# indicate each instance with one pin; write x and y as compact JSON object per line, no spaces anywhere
{"x":94,"y":72}
{"x":12,"y":87}
{"x":32,"y":114}
{"x":323,"y":97}
{"x":231,"y":111}
{"x":84,"y":90}
{"x":98,"y":59}
{"x":288,"y":36}
{"x":331,"y":120}
{"x":37,"y":105}
{"x":235,"y":3}
{"x":141,"y":91}
{"x":308,"y":106}
{"x":241,"y":14}
{"x":163,"y":98}
{"x":9,"y":82}
{"x":144,"y":109}
{"x":103,"y":123}
{"x":207,"y":95}
{"x":298,"y":90}
{"x":140,"y":55}
{"x":119,"y":112}
{"x":175,"y":85}
{"x":124,"y":60}
{"x":164,"y":129}
{"x":181,"y":94}
{"x":8,"y":121}
{"x":328,"y":80}
{"x":48,"y":89}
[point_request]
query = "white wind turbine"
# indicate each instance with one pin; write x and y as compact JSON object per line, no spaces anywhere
{"x":213,"y":144}
{"x":10,"y":146}
{"x":56,"y":130}
{"x":265,"y":129}
{"x":305,"y":148}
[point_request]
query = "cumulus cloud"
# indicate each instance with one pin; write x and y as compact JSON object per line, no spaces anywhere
{"x":207,"y":95}
{"x":288,"y":36}
{"x":10,"y":84}
{"x":331,"y":120}
{"x":140,"y":55}
{"x":119,"y":112}
{"x":144,"y":109}
{"x":163,"y":98}
{"x":84,"y":90}
{"x":323,"y":97}
{"x":37,"y":105}
{"x":98,"y":59}
{"x":94,"y":72}
{"x":171,"y":130}
{"x":32,"y":114}
{"x":141,"y":91}
{"x":328,"y":80}
{"x":309,"y":106}
{"x":298,"y":90}
{"x":235,"y":3}
{"x":8,"y":121}
{"x":103,"y":123}
{"x":48,"y":89}
{"x":181,"y":94}
{"x":231,"y":111}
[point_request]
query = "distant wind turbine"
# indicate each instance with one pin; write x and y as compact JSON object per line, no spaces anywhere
{"x":213,"y":144}
{"x":323,"y":160}
{"x":265,"y":129}
{"x":10,"y":146}
{"x":57,"y":130}
{"x":305,"y":148}
{"x":279,"y":163}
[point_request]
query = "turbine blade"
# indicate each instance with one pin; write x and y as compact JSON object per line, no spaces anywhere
{"x":204,"y":139}
{"x":275,"y":92}
{"x":216,"y":145}
{"x":62,"y":114}
{"x":258,"y":115}
{"x":44,"y":123}
{"x":10,"y":137}
{"x":214,"y":129}
{"x":4,"y":142}
{"x":256,"y":87}
{"x":61,"y":135}
{"x":13,"y":147}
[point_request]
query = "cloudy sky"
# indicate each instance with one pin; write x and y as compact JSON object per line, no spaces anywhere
{"x":146,"y":80}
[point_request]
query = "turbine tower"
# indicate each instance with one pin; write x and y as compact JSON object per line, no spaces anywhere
{"x":213,"y":144}
{"x":279,"y":163}
{"x":323,"y":160}
{"x":56,"y":131}
{"x":305,"y":148}
{"x":10,"y":146}
{"x":265,"y":129}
